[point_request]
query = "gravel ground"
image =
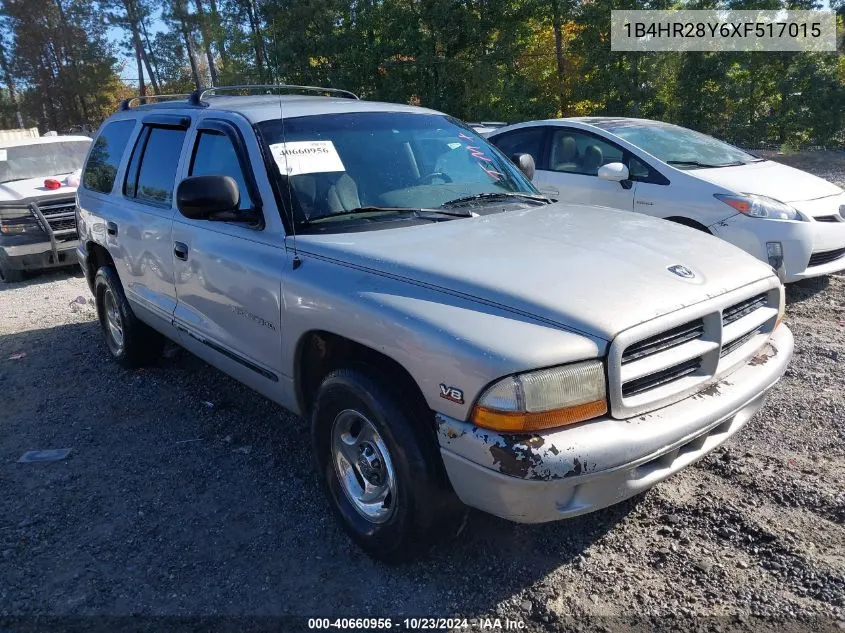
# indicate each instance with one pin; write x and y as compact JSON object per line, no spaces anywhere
{"x":186,"y":494}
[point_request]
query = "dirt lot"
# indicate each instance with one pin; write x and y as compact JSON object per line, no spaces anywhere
{"x":186,"y":494}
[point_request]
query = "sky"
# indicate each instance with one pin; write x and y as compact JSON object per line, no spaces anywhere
{"x":116,"y":35}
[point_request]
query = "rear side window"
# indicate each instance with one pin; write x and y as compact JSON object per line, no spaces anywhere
{"x":104,"y":159}
{"x":576,"y":152}
{"x":152,"y":170}
{"x":525,"y":141}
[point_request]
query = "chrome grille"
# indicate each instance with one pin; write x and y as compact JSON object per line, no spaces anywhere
{"x":734,"y":345}
{"x":743,"y":308}
{"x":61,"y":218}
{"x":669,"y":358}
{"x":825,"y":257}
{"x":663,"y":341}
{"x":663,"y":377}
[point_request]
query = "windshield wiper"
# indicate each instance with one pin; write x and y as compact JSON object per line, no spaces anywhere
{"x":498,"y":195}
{"x":417,"y":212}
{"x":695,"y":163}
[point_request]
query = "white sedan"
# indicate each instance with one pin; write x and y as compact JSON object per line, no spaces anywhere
{"x":787,"y":217}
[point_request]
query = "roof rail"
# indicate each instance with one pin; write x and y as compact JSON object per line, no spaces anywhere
{"x":126,"y":104}
{"x":197,"y":95}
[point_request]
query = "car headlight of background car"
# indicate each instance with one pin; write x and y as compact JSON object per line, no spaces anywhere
{"x":760,"y":206}
{"x":543,"y":399}
{"x":17,"y":220}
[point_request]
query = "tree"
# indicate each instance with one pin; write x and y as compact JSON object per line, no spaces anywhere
{"x":58,"y":59}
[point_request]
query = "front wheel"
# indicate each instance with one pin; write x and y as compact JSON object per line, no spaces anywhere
{"x":10,"y":275}
{"x":380,"y":467}
{"x":130,"y":342}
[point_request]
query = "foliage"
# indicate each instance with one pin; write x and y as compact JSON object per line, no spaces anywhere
{"x":505,"y":60}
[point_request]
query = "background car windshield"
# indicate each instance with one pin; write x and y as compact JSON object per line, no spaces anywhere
{"x":341,"y":162}
{"x":42,"y":160}
{"x":671,"y":143}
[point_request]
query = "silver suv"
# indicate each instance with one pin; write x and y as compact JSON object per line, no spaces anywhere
{"x":455,"y":338}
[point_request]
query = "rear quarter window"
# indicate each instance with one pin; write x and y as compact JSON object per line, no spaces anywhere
{"x":101,"y":168}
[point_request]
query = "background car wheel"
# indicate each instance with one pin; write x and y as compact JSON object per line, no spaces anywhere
{"x":131,"y":342}
{"x":690,"y":223}
{"x":10,"y":275}
{"x":380,"y":467}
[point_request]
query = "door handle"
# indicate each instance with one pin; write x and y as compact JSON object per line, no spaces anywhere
{"x":111,"y":228}
{"x":180,"y":249}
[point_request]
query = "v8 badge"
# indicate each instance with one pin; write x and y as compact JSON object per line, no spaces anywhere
{"x":453,"y":394}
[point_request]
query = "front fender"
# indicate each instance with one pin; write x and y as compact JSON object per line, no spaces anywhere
{"x":439,"y":338}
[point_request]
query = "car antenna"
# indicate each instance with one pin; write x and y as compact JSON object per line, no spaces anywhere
{"x":297,"y":262}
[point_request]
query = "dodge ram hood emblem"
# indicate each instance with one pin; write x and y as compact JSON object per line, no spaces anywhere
{"x":681,"y":271}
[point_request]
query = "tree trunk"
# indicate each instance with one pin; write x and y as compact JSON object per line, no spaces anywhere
{"x":189,"y":47}
{"x":47,"y":78}
{"x":206,"y":40}
{"x":10,"y":84}
{"x":154,"y":76}
{"x":132,"y":17}
{"x":69,"y":56}
{"x":218,"y":34}
{"x":142,"y":88}
{"x":146,"y":58}
{"x":180,"y":13}
{"x":257,"y":39}
{"x":561,"y":72}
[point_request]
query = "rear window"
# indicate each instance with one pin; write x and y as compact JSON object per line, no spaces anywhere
{"x":101,"y":168}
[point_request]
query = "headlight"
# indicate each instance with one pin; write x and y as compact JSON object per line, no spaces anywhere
{"x":543,"y":399}
{"x":760,"y":206}
{"x":16,"y":220}
{"x":15,"y":213}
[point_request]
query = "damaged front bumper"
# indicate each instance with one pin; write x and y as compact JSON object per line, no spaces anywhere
{"x":565,"y":472}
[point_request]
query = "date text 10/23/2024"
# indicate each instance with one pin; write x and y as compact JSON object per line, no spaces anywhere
{"x":416,"y":624}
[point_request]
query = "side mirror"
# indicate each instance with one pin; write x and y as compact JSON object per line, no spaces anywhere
{"x":614,"y":172}
{"x":201,"y":197}
{"x":525,"y":162}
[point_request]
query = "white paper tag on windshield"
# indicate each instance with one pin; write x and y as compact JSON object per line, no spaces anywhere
{"x":306,"y":157}
{"x":3,"y":156}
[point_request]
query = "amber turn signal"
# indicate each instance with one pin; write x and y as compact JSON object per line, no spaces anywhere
{"x":516,"y":422}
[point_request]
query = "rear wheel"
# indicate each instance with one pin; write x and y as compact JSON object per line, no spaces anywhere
{"x":380,"y":467}
{"x":130,"y":342}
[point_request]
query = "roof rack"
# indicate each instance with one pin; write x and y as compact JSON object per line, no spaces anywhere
{"x":196,"y":97}
{"x":126,"y":104}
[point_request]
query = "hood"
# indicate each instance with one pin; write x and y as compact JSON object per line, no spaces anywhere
{"x":590,"y":269}
{"x":34,"y":188}
{"x":771,"y":179}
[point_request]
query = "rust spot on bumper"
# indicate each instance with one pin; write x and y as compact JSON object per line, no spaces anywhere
{"x":518,"y":456}
{"x":525,"y":456}
{"x":712,"y":390}
{"x":768,"y":352}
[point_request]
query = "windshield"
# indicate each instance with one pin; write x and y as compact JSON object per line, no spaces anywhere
{"x":352,"y":167}
{"x":42,"y":160}
{"x":678,"y":146}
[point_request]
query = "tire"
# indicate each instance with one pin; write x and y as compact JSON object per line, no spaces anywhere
{"x":130,"y":342}
{"x":11,"y":275}
{"x":419,"y":508}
